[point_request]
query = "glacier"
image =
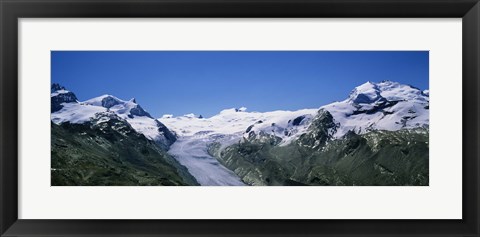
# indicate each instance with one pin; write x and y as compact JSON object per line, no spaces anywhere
{"x":386,"y":105}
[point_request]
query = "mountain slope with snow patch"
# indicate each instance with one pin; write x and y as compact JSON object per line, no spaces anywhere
{"x":386,"y":105}
{"x":371,"y":106}
{"x":77,"y":112}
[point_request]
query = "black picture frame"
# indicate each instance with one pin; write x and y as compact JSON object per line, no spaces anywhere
{"x":11,"y":11}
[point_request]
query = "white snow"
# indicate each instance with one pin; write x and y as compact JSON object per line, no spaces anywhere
{"x":167,"y":116}
{"x":227,"y":128}
{"x":97,"y":101}
{"x":83,"y":111}
{"x":146,"y":126}
{"x":410,"y":103}
{"x":242,"y":109}
{"x":192,"y":153}
{"x":191,"y":115}
{"x":75,"y":113}
{"x":365,"y":92}
{"x":58,"y":92}
{"x":236,"y":121}
{"x":409,"y":111}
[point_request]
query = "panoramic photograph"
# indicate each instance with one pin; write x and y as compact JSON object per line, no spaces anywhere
{"x":239,"y":118}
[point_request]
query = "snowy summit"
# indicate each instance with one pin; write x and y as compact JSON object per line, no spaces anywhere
{"x":74,"y":111}
{"x":371,"y":106}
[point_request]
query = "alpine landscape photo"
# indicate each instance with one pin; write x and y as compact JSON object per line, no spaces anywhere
{"x":239,"y":118}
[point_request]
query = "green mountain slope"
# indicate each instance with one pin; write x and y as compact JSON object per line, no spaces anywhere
{"x":110,"y":153}
{"x":375,"y":158}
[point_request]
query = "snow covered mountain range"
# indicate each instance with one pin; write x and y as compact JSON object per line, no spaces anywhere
{"x":190,"y":139}
{"x":69,"y":109}
{"x":371,"y":106}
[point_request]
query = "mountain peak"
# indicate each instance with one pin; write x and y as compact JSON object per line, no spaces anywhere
{"x":190,"y":115}
{"x":106,"y":101}
{"x":241,"y":109}
{"x":365,"y":93}
{"x":371,"y":92}
{"x":386,"y":105}
{"x":388,"y":82}
{"x":56,"y":87}
{"x":110,"y":101}
{"x":130,"y":108}
{"x":233,"y":110}
{"x":59,"y":95}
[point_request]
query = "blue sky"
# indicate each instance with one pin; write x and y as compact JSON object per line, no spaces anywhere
{"x":205,"y":82}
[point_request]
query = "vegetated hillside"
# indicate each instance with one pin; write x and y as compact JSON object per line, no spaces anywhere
{"x":108,"y":151}
{"x":377,"y":157}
